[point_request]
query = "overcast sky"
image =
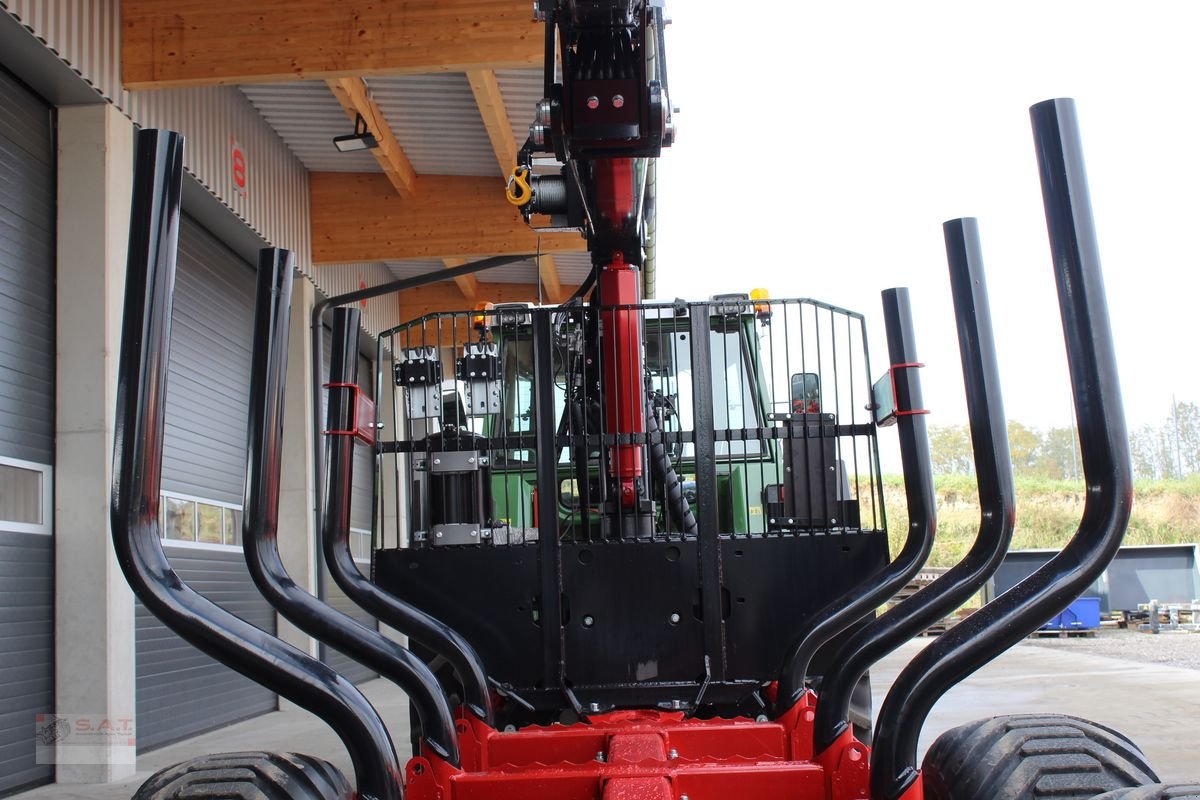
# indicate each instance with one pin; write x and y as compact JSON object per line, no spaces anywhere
{"x":822,"y":145}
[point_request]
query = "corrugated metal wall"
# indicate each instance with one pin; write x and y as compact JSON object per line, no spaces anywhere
{"x":208,"y":389}
{"x":27,"y":641}
{"x":180,"y":691}
{"x":381,"y":312}
{"x":27,"y":270}
{"x":27,"y":231}
{"x":86,"y":35}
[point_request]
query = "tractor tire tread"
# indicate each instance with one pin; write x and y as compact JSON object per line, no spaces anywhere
{"x":1157,"y":791}
{"x":1030,"y":757}
{"x":248,"y":776}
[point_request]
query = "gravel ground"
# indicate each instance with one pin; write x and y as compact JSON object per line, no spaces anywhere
{"x":1173,"y":648}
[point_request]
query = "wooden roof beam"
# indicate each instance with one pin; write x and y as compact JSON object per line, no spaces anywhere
{"x":355,"y":99}
{"x":171,"y":43}
{"x":467,"y":284}
{"x":490,"y":101}
{"x":360,"y":217}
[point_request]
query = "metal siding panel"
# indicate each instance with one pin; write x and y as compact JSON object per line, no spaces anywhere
{"x":180,"y":691}
{"x":26,"y":654}
{"x":275,"y":201}
{"x":27,"y":274}
{"x":208,"y":389}
{"x":522,"y":89}
{"x":307,"y":116}
{"x":436,"y":121}
{"x":381,"y":312}
{"x":86,"y":35}
{"x":347,"y":666}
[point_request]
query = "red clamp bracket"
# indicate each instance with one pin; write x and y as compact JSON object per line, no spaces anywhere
{"x":883,"y":396}
{"x":892,"y":372}
{"x":362,"y":425}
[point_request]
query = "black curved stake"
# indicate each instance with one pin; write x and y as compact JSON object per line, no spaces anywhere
{"x":918,"y":488}
{"x":1104,"y":450}
{"x":261,"y":517}
{"x":997,"y":500}
{"x":137,"y":480}
{"x":335,"y":534}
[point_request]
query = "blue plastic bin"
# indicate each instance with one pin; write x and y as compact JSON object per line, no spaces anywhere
{"x":1082,"y":615}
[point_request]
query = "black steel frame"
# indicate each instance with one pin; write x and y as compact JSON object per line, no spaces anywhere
{"x":997,"y":499}
{"x":716,"y":681}
{"x":319,"y":620}
{"x":1104,"y":449}
{"x":137,"y":479}
{"x":861,"y":602}
{"x":335,"y":532}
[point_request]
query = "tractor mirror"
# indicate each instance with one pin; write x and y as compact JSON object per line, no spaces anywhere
{"x":806,"y":393}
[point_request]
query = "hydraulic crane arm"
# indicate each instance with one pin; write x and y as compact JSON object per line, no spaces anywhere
{"x":604,"y":114}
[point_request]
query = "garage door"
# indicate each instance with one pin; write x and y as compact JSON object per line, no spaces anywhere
{"x":27,"y":214}
{"x":360,"y":539}
{"x":181,"y":692}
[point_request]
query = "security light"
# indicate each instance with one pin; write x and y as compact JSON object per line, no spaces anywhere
{"x":361,"y":139}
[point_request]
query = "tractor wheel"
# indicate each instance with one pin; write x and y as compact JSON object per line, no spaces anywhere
{"x":248,"y":776}
{"x":860,"y":710}
{"x":1029,"y":756}
{"x":1157,"y":791}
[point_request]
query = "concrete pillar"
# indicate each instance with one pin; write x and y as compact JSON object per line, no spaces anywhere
{"x":297,"y":492}
{"x":94,"y":632}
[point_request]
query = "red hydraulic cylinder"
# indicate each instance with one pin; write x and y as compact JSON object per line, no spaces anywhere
{"x":621,"y":329}
{"x":621,"y":344}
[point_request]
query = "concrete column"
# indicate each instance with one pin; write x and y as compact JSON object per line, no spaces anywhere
{"x":297,"y":484}
{"x":94,"y":632}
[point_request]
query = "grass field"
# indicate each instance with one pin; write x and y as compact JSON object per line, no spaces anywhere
{"x":1164,"y":512}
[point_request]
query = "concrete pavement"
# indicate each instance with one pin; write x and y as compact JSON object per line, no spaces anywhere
{"x":1157,"y":705}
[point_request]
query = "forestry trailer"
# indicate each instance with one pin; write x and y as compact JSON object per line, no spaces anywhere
{"x":636,"y":548}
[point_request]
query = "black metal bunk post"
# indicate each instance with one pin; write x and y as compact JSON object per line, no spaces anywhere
{"x":918,"y":487}
{"x":997,"y":500}
{"x":137,"y":480}
{"x":1104,"y":450}
{"x":260,"y":523}
{"x":335,"y":533}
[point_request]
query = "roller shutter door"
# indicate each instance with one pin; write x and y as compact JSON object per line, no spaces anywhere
{"x":180,"y":691}
{"x":27,"y":233}
{"x":360,"y":523}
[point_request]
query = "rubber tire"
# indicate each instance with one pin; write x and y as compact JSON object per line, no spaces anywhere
{"x":1157,"y":791}
{"x":248,"y":776}
{"x":1028,"y":756}
{"x":860,"y":710}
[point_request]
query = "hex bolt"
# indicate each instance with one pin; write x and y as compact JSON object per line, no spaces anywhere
{"x":674,"y":754}
{"x":589,"y":621}
{"x":618,"y":101}
{"x":595,"y":709}
{"x":675,"y":618}
{"x":761,"y":718}
{"x":599,"y":753}
{"x":593,"y":102}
